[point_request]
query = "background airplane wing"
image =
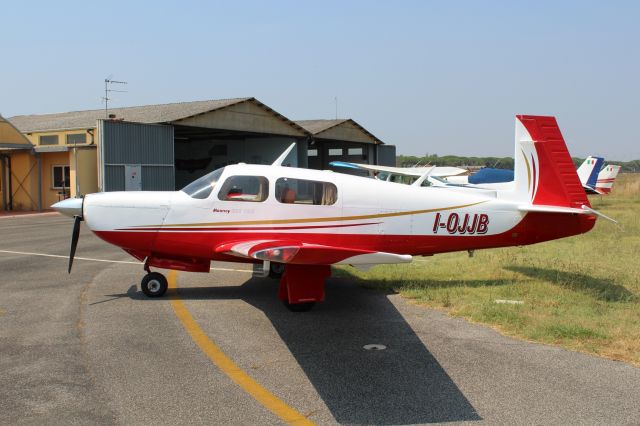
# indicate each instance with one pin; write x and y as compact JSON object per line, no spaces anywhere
{"x":406,"y":171}
{"x":448,"y":171}
{"x":297,"y":252}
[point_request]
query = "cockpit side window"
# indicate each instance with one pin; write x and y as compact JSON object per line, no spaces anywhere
{"x":302,"y":191}
{"x":244,"y":188}
{"x":201,"y":188}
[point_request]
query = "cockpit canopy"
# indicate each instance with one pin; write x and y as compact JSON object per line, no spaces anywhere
{"x":252,"y":188}
{"x":201,"y":188}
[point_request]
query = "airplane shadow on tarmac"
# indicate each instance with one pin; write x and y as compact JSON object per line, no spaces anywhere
{"x":403,"y":384}
{"x":600,"y":288}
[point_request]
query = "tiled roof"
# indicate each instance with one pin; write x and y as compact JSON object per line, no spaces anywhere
{"x":163,"y":113}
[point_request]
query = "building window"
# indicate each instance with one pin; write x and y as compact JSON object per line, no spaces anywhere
{"x":301,"y":191}
{"x":49,"y":140}
{"x":76,"y":138}
{"x":312,"y":153}
{"x":60,"y":177}
{"x":355,"y":151}
{"x":244,"y":188}
{"x":335,"y":151}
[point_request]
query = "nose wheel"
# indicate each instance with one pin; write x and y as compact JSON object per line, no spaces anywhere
{"x":154,"y":284}
{"x":276,"y":270}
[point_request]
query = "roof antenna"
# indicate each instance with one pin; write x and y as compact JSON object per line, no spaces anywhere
{"x":107,"y":88}
{"x":283,"y":156}
{"x":336,"y":100}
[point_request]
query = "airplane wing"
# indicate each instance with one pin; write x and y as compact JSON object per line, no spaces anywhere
{"x":448,"y":171}
{"x":406,"y":171}
{"x":297,"y":252}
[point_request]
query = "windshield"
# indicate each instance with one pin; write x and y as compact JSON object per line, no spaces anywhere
{"x":201,"y":188}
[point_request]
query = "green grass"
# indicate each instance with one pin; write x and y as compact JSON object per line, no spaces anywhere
{"x":581,"y":292}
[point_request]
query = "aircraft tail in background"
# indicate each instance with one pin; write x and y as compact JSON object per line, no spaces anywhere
{"x":588,"y":173}
{"x":606,"y":178}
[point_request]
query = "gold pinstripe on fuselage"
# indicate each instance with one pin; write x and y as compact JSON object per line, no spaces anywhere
{"x":310,"y":220}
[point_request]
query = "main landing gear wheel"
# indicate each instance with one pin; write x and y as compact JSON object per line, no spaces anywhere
{"x":276,"y":270}
{"x":154,"y":284}
{"x":299,"y":307}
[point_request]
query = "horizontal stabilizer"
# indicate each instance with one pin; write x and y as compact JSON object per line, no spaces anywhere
{"x":592,"y":191}
{"x":566,"y":210}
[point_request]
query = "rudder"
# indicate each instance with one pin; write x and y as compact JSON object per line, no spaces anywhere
{"x":589,"y":169}
{"x":544,"y":170}
{"x":606,"y":178}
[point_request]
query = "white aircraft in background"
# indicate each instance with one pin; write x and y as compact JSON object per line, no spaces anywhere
{"x":594,"y":180}
{"x":308,"y":220}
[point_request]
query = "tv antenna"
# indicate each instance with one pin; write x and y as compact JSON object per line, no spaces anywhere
{"x":336,"y":101}
{"x":107,"y":89}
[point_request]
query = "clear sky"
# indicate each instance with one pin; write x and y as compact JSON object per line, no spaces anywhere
{"x":430,"y":77}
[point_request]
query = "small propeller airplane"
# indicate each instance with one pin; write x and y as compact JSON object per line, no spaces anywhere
{"x":307,"y":220}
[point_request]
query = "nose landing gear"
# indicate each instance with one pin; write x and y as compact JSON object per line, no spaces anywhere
{"x":154,"y":284}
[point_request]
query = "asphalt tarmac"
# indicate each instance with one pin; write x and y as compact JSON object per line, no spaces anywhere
{"x":90,"y":348}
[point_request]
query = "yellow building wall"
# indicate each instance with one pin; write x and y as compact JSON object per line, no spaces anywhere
{"x":24,"y":166}
{"x":34,"y":137}
{"x":86,"y":168}
{"x":85,"y":172}
{"x":24,"y":181}
{"x":49,"y":193}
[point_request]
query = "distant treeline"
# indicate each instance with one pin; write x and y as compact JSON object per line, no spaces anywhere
{"x":496,"y":162}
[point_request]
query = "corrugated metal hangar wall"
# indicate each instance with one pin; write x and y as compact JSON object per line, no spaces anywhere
{"x":136,"y":156}
{"x":167,"y":146}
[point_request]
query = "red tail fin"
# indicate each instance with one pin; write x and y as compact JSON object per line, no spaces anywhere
{"x":556,"y":183}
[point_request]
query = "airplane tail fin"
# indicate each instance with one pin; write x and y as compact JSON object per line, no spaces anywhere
{"x":544,"y":172}
{"x":589,"y":169}
{"x":606,"y":178}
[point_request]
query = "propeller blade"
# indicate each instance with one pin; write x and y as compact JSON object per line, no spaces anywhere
{"x":74,"y":239}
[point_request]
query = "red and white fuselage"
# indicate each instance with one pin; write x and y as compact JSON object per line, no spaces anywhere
{"x":367,"y":215}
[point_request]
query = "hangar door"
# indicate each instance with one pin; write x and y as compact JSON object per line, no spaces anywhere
{"x":135,"y":156}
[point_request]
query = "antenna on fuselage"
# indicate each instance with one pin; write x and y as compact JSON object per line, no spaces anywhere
{"x":283,"y":156}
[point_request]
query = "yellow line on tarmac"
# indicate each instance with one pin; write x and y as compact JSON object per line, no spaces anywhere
{"x":228,"y":367}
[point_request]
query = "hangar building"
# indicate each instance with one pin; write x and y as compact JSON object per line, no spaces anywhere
{"x":16,"y":157}
{"x":164,"y":147}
